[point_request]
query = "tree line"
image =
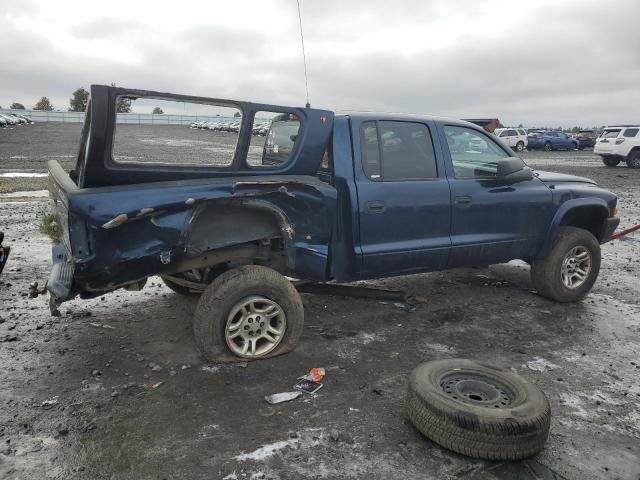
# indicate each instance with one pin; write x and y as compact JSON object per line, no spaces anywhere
{"x":78,"y":103}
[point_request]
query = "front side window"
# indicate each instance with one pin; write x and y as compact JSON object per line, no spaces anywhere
{"x":512,"y":133}
{"x":474,"y":155}
{"x":521,"y":132}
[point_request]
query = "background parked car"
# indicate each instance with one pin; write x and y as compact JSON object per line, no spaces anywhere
{"x":9,"y":119}
{"x":618,"y":143}
{"x":516,"y":138}
{"x":586,"y":139}
{"x":3,"y":122}
{"x":550,"y":140}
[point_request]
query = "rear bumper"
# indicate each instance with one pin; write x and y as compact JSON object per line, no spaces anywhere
{"x":60,"y":283}
{"x":610,"y":225}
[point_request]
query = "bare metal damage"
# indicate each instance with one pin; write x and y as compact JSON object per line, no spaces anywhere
{"x":171,"y":227}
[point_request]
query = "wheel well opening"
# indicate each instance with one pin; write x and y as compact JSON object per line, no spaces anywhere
{"x":587,"y":218}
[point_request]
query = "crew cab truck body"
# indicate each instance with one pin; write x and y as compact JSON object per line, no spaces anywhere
{"x":360,"y":196}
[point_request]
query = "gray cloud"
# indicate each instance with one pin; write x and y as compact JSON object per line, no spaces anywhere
{"x":570,"y":63}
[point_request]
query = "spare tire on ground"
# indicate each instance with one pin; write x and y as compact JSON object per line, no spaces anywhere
{"x":478,"y":410}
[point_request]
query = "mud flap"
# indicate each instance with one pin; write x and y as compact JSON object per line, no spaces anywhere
{"x":60,"y":278}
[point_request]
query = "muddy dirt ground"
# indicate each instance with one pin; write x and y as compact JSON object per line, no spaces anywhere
{"x":77,"y":398}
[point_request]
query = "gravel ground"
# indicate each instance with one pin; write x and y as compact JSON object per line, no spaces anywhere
{"x":78,"y":397}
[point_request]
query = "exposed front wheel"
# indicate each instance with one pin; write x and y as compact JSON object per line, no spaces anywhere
{"x":249,"y":312}
{"x":570,"y":270}
{"x":633,"y":161}
{"x":610,"y":161}
{"x":547,"y":147}
{"x":519,"y":146}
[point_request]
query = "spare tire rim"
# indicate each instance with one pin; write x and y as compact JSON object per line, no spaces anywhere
{"x":477,"y":389}
{"x":255,"y":327}
{"x":576,"y":267}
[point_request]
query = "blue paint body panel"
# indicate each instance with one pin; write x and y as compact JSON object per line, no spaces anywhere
{"x":123,"y":224}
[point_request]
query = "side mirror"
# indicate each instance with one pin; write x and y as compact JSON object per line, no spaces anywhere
{"x":513,"y":170}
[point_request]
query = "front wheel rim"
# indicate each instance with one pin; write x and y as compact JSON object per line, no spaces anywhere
{"x":576,"y":267}
{"x":255,"y":327}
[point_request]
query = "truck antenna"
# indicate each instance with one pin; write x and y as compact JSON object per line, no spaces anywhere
{"x":304,"y":57}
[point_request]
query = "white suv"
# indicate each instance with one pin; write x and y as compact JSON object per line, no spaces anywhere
{"x":617,"y":143}
{"x":516,"y":138}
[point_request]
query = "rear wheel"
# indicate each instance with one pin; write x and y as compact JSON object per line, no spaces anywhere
{"x":250,"y":312}
{"x":633,"y":160}
{"x":519,"y":146}
{"x":548,"y":147}
{"x":610,"y":161}
{"x":570,"y":270}
{"x":574,"y":146}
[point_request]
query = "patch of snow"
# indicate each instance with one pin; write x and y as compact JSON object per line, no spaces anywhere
{"x":267,"y":450}
{"x":540,"y":365}
{"x":23,"y":174}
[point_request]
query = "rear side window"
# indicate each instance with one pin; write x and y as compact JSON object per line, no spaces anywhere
{"x":512,"y":133}
{"x":610,"y":134}
{"x":398,"y":151}
{"x":521,"y":132}
{"x":630,"y":132}
{"x":370,"y":150}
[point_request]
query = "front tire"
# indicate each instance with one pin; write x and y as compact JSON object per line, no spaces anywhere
{"x":519,"y":146}
{"x":248,"y":313}
{"x":610,"y":161}
{"x":633,"y":161}
{"x":548,"y":147}
{"x":571,"y":268}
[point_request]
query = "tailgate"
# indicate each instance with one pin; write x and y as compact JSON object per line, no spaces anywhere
{"x":61,"y":277}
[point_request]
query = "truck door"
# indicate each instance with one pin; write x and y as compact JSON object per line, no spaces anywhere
{"x":403,"y":197}
{"x":491,"y":222}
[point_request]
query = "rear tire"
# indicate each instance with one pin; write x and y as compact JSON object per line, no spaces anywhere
{"x":571,"y":268}
{"x":610,"y":161}
{"x":633,"y":160}
{"x":478,"y":410}
{"x":574,"y":146}
{"x":222,"y":325}
{"x":519,"y":146}
{"x":547,"y":147}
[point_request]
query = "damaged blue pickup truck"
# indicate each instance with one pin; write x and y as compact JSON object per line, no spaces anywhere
{"x":324,"y":197}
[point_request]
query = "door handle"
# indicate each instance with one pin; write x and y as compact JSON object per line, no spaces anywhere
{"x":463,"y":201}
{"x":376,"y":206}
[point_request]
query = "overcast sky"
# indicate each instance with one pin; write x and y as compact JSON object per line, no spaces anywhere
{"x":537,"y":63}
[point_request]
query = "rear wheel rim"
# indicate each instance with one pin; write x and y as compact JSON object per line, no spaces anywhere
{"x":520,"y":147}
{"x":255,"y":327}
{"x":576,"y":267}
